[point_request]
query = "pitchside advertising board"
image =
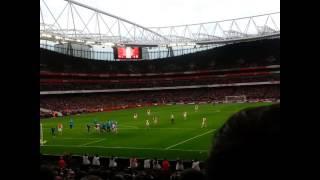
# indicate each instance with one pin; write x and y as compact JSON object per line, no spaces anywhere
{"x":127,"y":53}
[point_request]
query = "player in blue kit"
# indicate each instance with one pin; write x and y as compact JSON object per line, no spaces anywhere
{"x":108,"y":125}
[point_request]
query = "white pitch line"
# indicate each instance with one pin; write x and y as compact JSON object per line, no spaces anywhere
{"x":92,"y":142}
{"x":190,"y":139}
{"x":74,"y":138}
{"x":192,"y":150}
{"x":136,"y":148}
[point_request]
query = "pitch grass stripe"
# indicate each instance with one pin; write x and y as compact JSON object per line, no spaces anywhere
{"x":190,"y":139}
{"x":135,"y":148}
{"x":92,"y":142}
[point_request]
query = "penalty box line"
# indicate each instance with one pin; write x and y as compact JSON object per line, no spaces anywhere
{"x":92,"y":142}
{"x":169,"y":147}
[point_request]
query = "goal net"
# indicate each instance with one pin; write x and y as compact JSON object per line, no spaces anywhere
{"x":235,"y":99}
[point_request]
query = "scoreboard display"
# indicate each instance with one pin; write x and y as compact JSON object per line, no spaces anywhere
{"x":129,"y":53}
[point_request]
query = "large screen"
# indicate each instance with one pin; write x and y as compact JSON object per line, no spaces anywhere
{"x":127,"y":53}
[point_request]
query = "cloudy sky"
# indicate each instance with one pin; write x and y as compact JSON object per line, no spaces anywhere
{"x":151,"y":13}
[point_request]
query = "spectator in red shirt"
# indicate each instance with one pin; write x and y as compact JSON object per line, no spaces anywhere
{"x":61,"y":163}
{"x":165,"y":165}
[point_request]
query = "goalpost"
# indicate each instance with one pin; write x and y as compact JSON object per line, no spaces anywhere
{"x":236,"y":99}
{"x":42,"y":141}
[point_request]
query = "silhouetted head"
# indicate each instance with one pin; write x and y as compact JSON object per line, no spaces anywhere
{"x":248,"y":144}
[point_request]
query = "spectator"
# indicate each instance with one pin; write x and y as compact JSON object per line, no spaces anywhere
{"x":85,"y":160}
{"x":96,"y":160}
{"x":61,"y":163}
{"x":176,"y":175}
{"x":156,"y":164}
{"x":196,"y":165}
{"x":247,"y":145}
{"x":71,"y":174}
{"x":146,"y":164}
{"x":112,"y":162}
{"x":179,"y":165}
{"x":130,"y":163}
{"x":165,"y":165}
{"x":133,"y":163}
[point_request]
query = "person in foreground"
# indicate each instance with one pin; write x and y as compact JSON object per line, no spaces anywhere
{"x":247,"y":145}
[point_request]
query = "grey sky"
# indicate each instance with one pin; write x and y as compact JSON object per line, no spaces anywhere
{"x":150,"y":13}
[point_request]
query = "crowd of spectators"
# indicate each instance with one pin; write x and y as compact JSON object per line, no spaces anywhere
{"x":148,"y":83}
{"x":77,"y":103}
{"x":70,"y":167}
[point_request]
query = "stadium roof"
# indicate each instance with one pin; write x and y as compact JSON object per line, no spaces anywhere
{"x":81,"y":23}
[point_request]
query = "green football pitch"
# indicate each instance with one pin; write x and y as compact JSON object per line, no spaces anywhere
{"x":185,"y":139}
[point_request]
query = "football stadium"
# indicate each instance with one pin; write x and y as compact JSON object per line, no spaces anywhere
{"x":122,"y":100}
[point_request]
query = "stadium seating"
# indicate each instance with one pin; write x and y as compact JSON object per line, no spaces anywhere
{"x":73,"y":104}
